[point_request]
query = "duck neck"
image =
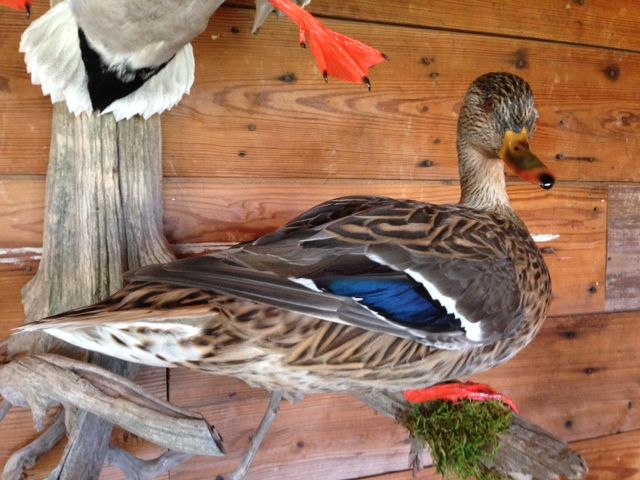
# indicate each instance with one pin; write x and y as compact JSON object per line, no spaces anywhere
{"x":482,"y":180}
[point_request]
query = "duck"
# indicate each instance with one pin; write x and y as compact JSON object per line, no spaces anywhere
{"x":358,"y":293}
{"x":75,"y":54}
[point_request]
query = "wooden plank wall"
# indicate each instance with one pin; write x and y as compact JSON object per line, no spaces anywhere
{"x":261,"y":138}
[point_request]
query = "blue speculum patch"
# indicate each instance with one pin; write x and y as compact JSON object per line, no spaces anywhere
{"x":401,"y":300}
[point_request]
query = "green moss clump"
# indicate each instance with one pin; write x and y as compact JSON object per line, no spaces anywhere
{"x":463,"y":436}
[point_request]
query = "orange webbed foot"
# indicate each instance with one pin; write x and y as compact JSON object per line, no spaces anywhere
{"x":336,"y":55}
{"x":457,"y":391}
{"x":24,"y":5}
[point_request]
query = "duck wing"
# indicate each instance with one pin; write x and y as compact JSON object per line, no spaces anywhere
{"x":439,"y":275}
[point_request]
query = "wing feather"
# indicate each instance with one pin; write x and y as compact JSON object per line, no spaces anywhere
{"x":355,"y":261}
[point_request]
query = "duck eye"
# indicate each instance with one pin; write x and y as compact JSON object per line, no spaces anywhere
{"x":489,"y":105}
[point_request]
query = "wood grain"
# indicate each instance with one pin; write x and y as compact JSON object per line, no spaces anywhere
{"x":596,"y":22}
{"x":247,"y":117}
{"x":22,"y":207}
{"x":616,"y":457}
{"x":335,"y":437}
{"x":11,"y":311}
{"x":339,"y":437}
{"x":623,"y":248}
{"x":428,"y":473}
{"x":25,"y":115}
{"x":588,"y":118}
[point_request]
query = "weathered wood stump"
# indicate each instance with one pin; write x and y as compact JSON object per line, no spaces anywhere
{"x":103,"y":217}
{"x":103,"y":191}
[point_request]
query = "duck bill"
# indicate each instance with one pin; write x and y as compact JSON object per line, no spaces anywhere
{"x":516,"y":154}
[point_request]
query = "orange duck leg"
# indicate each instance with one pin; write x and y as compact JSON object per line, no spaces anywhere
{"x":336,"y":55}
{"x":457,"y":391}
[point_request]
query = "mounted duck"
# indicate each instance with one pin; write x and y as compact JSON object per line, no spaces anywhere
{"x":358,"y":292}
{"x":132,"y":58}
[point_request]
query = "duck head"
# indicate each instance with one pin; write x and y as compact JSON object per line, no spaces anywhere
{"x":497,"y":120}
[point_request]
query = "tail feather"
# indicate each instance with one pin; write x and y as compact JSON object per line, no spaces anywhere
{"x":162,"y":91}
{"x":137,"y":302}
{"x":146,"y":323}
{"x":54,"y":60}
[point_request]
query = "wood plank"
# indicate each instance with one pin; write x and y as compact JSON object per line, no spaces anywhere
{"x":236,"y":210}
{"x":22,"y":211}
{"x":341,"y":131}
{"x":326,"y":444}
{"x":623,"y":248}
{"x":11,"y":312}
{"x":242,"y":121}
{"x":600,"y":23}
{"x":428,"y":473}
{"x":25,"y":115}
{"x":577,"y":379}
{"x":616,"y":457}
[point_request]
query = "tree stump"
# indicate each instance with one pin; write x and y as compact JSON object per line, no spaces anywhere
{"x":103,"y":217}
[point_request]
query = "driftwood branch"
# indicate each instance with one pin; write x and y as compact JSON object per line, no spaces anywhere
{"x":26,"y":457}
{"x":258,"y":436}
{"x":5,"y":406}
{"x":45,"y":380}
{"x":526,"y":450}
{"x":103,"y":217}
{"x":137,"y":469}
